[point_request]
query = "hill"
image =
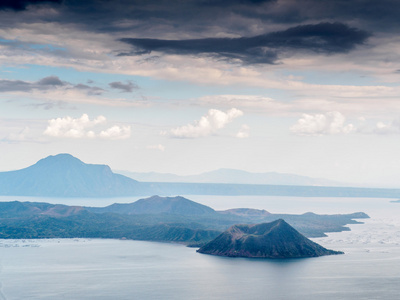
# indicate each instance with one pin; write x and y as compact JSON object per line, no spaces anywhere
{"x":158,"y":205}
{"x":63,"y":175}
{"x":267,"y":240}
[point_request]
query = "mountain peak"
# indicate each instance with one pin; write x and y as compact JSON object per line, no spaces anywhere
{"x":60,"y":158}
{"x":162,"y":205}
{"x":64,"y":161}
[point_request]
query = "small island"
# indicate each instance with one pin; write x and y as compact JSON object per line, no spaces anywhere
{"x":267,"y":240}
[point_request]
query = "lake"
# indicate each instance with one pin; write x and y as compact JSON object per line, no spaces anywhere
{"x":117,"y":269}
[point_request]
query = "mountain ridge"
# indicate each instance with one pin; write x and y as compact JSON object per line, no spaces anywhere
{"x":156,"y":205}
{"x":233,"y":176}
{"x":63,"y":175}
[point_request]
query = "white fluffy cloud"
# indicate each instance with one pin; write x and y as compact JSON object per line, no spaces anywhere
{"x":321,"y":124}
{"x":116,"y":132}
{"x":208,"y":124}
{"x":83,"y":127}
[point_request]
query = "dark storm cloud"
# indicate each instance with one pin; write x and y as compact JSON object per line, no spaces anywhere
{"x":158,"y":18}
{"x":19,"y":5}
{"x":236,"y":16}
{"x":327,"y":38}
{"x":124,"y":87}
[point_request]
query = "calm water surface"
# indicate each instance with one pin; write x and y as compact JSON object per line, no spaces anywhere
{"x":115,"y":269}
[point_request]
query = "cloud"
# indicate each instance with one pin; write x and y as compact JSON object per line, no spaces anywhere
{"x":207,"y":125}
{"x":388,"y":128}
{"x":250,"y":102}
{"x":156,"y":147}
{"x":14,"y":85}
{"x":116,"y":133}
{"x":322,"y":124}
{"x":51,"y":81}
{"x":46,"y":83}
{"x":53,"y":92}
{"x":326,"y":38}
{"x":90,"y":90}
{"x":69,"y":127}
{"x":47,"y":105}
{"x":243,"y":132}
{"x":72,"y":128}
{"x":124,"y":87}
{"x":21,"y":136}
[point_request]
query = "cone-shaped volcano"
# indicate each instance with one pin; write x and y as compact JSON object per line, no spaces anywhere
{"x":267,"y":240}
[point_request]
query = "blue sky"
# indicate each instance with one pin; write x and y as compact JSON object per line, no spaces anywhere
{"x":187,"y":87}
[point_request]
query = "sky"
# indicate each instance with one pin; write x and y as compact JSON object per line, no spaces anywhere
{"x":307,"y":87}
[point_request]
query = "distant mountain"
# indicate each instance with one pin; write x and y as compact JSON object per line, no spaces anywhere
{"x":268,"y":240}
{"x":234,"y":177}
{"x":159,"y":205}
{"x":63,"y":175}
